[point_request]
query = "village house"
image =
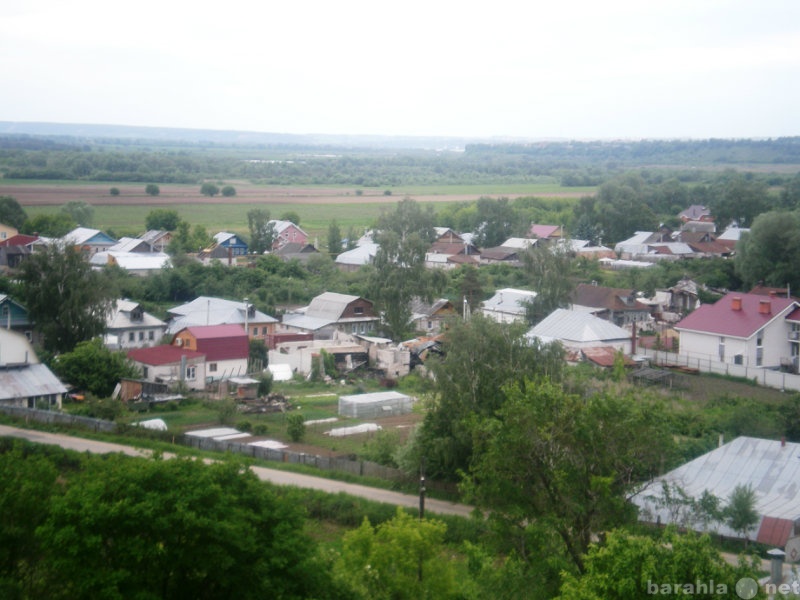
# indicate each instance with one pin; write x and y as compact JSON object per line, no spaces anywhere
{"x":331,"y":311}
{"x":24,"y":381}
{"x":508,"y":305}
{"x":744,"y":329}
{"x":207,"y":310}
{"x":226,"y":348}
{"x":158,"y":239}
{"x":429,"y":317}
{"x":231,"y":241}
{"x":287,"y":232}
{"x":88,"y":241}
{"x":620,"y":306}
{"x":353,"y":260}
{"x":129,"y":326}
{"x":7,"y":231}
{"x":171,"y":365}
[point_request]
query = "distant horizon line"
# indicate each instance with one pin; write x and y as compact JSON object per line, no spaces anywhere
{"x":7,"y":127}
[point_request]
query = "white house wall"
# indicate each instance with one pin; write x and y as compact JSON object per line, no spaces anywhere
{"x":706,"y":346}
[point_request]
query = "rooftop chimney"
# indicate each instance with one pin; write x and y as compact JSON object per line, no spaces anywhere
{"x":736,"y":303}
{"x":764,"y":307}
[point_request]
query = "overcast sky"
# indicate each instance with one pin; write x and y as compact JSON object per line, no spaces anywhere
{"x":564,"y":69}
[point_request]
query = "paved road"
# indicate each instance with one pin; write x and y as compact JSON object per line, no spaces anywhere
{"x":265,"y":474}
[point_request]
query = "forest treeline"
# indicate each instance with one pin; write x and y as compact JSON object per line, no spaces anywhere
{"x":565,"y":163}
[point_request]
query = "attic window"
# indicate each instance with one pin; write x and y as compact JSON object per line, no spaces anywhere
{"x":358,"y":310}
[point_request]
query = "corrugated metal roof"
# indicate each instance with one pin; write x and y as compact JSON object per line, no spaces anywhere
{"x":29,"y":381}
{"x":771,"y":468}
{"x":509,"y":300}
{"x":361,"y":255}
{"x":301,"y":321}
{"x":163,"y":354}
{"x":206,"y":310}
{"x":577,"y":326}
{"x":221,"y":342}
{"x":329,"y":305}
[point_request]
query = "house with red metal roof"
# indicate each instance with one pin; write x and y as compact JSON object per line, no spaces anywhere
{"x":226,"y":348}
{"x":171,"y":365}
{"x":744,"y":329}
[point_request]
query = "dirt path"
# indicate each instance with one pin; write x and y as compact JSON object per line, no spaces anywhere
{"x":271,"y":475}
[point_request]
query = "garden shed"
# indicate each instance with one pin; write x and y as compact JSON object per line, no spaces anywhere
{"x":377,"y":404}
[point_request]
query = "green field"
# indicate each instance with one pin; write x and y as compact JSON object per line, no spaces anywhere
{"x":315,"y":217}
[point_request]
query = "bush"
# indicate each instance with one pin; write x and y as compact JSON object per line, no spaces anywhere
{"x":151,"y":189}
{"x":296,"y":427}
{"x":114,"y":191}
{"x":228,"y":191}
{"x":260,"y":429}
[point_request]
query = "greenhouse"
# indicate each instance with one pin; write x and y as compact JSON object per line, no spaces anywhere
{"x":378,"y":404}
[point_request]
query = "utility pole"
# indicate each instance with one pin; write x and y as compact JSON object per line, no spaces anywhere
{"x":422,"y":489}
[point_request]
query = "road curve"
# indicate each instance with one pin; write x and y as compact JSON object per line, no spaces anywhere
{"x":271,"y":475}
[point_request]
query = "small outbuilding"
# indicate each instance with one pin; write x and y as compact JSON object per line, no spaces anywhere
{"x":377,"y":404}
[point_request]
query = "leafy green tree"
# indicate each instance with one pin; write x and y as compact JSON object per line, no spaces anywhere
{"x":209,"y":189}
{"x":114,"y":191}
{"x":81,"y":212}
{"x":12,"y":213}
{"x":174,"y":528}
{"x":28,"y":479}
{"x":66,"y":299}
{"x":291,"y":216}
{"x":228,"y":191}
{"x":334,"y":239}
{"x":566,"y":461}
{"x":262,"y":230}
{"x":767,"y":253}
{"x":631,"y":567}
{"x":189,"y":239}
{"x":622,"y":209}
{"x":404,"y":236}
{"x":740,"y":198}
{"x":94,"y":368}
{"x":468,"y":282}
{"x":402,"y":558}
{"x":740,"y":512}
{"x":151,"y":189}
{"x":165,"y":219}
{"x":548,"y":269}
{"x":481,"y":357}
{"x":295,"y":426}
{"x":496,"y":222}
{"x":57,"y":225}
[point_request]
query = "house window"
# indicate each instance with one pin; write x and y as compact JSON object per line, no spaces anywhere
{"x":430,"y":324}
{"x":358,"y":310}
{"x":760,"y":349}
{"x":191,"y":372}
{"x":212,"y":367}
{"x":141,"y":336}
{"x":131,"y":336}
{"x":721,"y":349}
{"x":151,"y":335}
{"x":144,"y":372}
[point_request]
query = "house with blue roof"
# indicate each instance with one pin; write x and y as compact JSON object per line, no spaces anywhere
{"x":231,"y":241}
